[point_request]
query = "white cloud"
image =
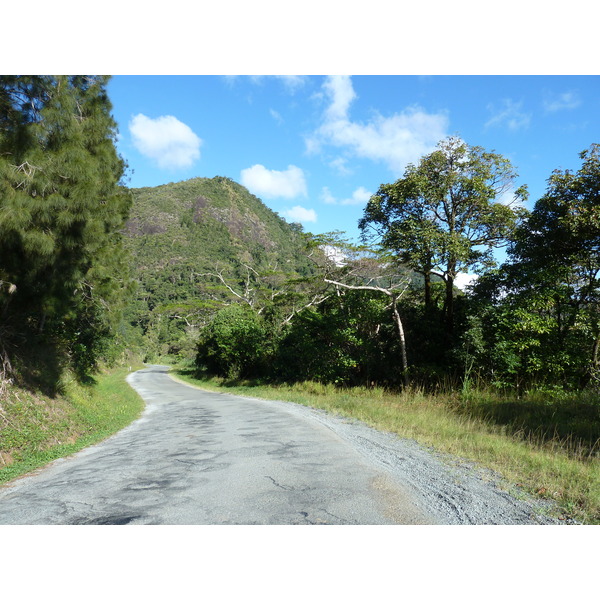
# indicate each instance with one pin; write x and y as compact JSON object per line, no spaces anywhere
{"x":293,"y":82}
{"x":274,"y":184}
{"x":396,"y":140}
{"x":359,"y":196}
{"x":463,"y":280}
{"x":290,"y":82}
{"x":327,"y":197}
{"x":340,"y":91}
{"x":509,"y":115}
{"x":339,"y":164}
{"x":564,"y":101}
{"x":299,"y":214}
{"x":276,"y":116}
{"x":165,"y":140}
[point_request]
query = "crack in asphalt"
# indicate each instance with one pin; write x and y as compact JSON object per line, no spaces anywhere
{"x":106,"y":520}
{"x":279,"y":485}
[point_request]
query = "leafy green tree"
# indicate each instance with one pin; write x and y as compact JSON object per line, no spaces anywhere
{"x":61,"y":213}
{"x":559,"y":246}
{"x":348,"y":339}
{"x":234,"y":344}
{"x":342,"y":334}
{"x":372,"y":273}
{"x":446,"y":215}
{"x":511,"y":336}
{"x":540,"y":312}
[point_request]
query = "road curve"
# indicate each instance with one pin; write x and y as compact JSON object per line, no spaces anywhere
{"x":197,"y":457}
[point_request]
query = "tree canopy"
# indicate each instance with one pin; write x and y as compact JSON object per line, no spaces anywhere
{"x":542,"y":308}
{"x":61,"y":213}
{"x":447,"y":214}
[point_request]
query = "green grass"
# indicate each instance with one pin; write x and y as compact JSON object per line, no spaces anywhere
{"x":541,"y":445}
{"x":36,"y":429}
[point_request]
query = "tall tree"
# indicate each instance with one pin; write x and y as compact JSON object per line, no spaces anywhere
{"x":558,"y":246}
{"x":62,"y":210}
{"x":447,"y":214}
{"x":364,"y":270}
{"x":347,"y":266}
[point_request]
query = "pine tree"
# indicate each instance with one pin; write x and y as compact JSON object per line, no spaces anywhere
{"x":61,"y":211}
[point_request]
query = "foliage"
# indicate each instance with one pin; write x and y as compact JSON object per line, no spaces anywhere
{"x":445,"y":215}
{"x":234,"y":344}
{"x":335,"y":331}
{"x":540,"y":313}
{"x":338,"y":342}
{"x":62,"y":210}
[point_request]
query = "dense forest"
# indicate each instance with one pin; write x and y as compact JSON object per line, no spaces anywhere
{"x":204,"y":272}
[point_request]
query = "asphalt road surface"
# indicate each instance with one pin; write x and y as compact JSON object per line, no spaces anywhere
{"x":198,"y":457}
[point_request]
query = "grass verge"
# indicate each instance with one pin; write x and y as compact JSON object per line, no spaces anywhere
{"x":36,"y":429}
{"x":547,"y":466}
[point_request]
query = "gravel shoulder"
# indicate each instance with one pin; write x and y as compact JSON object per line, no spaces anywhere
{"x":451,"y":491}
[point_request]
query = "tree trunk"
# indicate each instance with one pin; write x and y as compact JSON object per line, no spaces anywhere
{"x":398,"y":321}
{"x":42,"y":322}
{"x":427,"y":276}
{"x":449,"y":305}
{"x":593,"y":364}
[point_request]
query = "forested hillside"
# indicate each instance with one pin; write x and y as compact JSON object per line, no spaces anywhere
{"x":189,"y":241}
{"x":202,"y":270}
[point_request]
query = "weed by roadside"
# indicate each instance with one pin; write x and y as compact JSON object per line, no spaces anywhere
{"x":36,"y":429}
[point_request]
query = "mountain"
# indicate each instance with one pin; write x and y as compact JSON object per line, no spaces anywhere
{"x":179,"y":233}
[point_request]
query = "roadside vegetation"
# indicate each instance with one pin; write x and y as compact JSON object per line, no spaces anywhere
{"x":542,"y":444}
{"x":65,"y":275}
{"x":36,"y":429}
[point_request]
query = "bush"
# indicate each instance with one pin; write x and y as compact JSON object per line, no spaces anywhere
{"x":235,"y":344}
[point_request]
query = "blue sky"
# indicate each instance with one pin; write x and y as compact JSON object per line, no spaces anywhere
{"x":314,"y":148}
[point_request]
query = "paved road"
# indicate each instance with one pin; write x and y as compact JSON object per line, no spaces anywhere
{"x":196,"y":457}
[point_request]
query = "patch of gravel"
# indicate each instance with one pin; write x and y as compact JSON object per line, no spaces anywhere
{"x":453,"y":491}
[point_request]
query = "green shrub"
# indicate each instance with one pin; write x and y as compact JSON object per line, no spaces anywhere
{"x":235,"y":344}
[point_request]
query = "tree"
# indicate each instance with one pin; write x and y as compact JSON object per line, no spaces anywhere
{"x":539,"y":314}
{"x":347,"y":266}
{"x":340,"y":341}
{"x":511,"y":336}
{"x":374,"y":274}
{"x":234,"y":344}
{"x":447,"y":214}
{"x":62,"y":210}
{"x":558,"y":248}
